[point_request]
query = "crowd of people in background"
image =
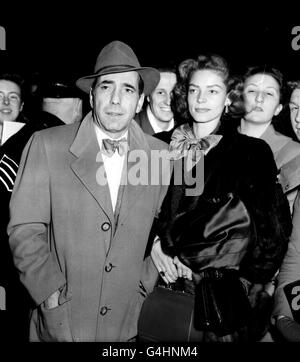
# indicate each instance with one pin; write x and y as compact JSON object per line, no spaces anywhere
{"x":93,"y":254}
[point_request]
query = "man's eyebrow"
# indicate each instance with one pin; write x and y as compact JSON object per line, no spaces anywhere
{"x":106,"y":81}
{"x":129,"y":86}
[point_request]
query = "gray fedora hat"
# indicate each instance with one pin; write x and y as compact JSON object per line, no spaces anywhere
{"x":118,"y":57}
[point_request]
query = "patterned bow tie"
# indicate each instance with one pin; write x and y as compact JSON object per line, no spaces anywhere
{"x":184,"y":141}
{"x":110,"y":146}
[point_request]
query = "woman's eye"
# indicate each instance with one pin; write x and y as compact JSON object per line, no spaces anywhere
{"x":213,"y":91}
{"x":192,"y":90}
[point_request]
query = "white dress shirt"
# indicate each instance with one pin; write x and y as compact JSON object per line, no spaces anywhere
{"x":154,"y":124}
{"x":113,"y":166}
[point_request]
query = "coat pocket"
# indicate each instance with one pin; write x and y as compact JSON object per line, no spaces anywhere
{"x":53,"y":325}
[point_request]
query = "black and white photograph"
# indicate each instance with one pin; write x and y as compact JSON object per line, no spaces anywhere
{"x":149,"y":179}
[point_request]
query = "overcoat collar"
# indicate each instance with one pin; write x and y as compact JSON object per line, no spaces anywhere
{"x":89,"y":163}
{"x":145,"y":123}
{"x":274,"y":139}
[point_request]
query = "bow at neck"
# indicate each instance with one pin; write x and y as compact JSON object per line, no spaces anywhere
{"x":110,"y":146}
{"x":184,"y":142}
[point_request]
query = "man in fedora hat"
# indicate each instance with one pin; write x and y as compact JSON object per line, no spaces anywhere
{"x":79,"y":242}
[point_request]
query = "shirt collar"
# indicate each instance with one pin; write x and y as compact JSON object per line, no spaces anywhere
{"x":154,"y":124}
{"x":101,"y":134}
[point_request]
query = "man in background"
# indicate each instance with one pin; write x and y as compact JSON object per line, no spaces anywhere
{"x":158,"y":116}
{"x":62,"y":99}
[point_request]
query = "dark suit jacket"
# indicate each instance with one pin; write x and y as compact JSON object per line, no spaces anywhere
{"x":142,"y":120}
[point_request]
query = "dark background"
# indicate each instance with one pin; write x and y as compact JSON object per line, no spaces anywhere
{"x":50,"y":39}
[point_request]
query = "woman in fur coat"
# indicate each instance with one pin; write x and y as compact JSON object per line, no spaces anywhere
{"x":226,"y":229}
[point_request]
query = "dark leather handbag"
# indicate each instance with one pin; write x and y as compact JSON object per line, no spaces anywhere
{"x":221,"y":303}
{"x":168,"y":316}
{"x":215,"y":233}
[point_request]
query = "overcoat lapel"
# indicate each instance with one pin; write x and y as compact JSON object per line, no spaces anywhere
{"x":89,"y":166}
{"x":145,"y":123}
{"x":275,"y":141}
{"x":132,"y":192}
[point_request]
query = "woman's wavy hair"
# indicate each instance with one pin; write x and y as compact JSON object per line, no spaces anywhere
{"x":217,"y":64}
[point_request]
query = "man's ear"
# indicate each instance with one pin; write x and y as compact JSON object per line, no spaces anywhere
{"x":79,"y":108}
{"x":21,"y":106}
{"x":140,"y":103}
{"x":278,"y":109}
{"x":91,"y":97}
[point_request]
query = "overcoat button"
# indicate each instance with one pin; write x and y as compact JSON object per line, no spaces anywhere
{"x":105,"y":226}
{"x":108,"y":267}
{"x":103,"y":310}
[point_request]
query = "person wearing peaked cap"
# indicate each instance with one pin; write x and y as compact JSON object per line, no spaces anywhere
{"x":62,"y":99}
{"x":80,"y":220}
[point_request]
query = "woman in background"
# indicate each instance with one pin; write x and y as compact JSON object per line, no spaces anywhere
{"x":263,"y":96}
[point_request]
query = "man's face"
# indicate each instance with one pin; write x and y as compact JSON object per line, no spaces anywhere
{"x":295,"y":111}
{"x":115,"y":99}
{"x":160,"y":98}
{"x":10,"y":101}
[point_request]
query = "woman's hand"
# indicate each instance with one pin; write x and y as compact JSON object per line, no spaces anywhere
{"x":254,"y":294}
{"x":164,"y":263}
{"x":182,"y":270}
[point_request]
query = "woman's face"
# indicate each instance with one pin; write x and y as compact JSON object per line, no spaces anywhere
{"x":10,"y":101}
{"x":262,"y":98}
{"x":295,"y":111}
{"x":207,"y":95}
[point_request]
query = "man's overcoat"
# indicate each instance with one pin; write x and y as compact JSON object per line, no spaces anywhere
{"x":63,"y":234}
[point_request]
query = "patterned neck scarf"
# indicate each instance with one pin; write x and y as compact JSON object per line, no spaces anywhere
{"x":184,"y":143}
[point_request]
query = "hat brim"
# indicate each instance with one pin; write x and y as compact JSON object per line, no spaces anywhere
{"x":149,"y":75}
